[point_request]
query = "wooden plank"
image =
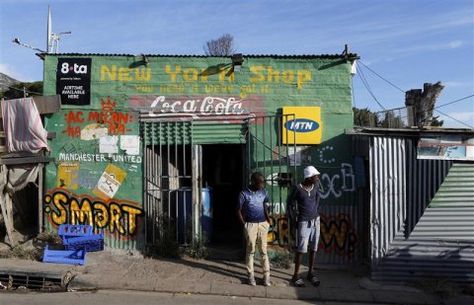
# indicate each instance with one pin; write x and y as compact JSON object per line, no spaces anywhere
{"x":21,"y":154}
{"x":26,"y":160}
{"x":46,"y":104}
{"x":6,"y":219}
{"x":51,"y":134}
{"x":7,"y":213}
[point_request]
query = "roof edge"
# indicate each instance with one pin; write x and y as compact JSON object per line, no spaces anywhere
{"x":349,"y":56}
{"x":409,"y":132}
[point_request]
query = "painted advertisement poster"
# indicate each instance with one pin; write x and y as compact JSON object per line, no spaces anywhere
{"x":74,"y":80}
{"x":446,"y":148}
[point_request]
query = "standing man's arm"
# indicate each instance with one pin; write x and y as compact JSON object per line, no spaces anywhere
{"x":239,"y":210}
{"x":290,"y":204}
{"x":265,"y":208}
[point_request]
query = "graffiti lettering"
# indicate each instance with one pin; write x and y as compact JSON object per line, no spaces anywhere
{"x":114,"y":121}
{"x":338,"y":234}
{"x":344,"y":181}
{"x":279,"y":231}
{"x":277,"y":208}
{"x":65,"y":208}
{"x":323,"y":158}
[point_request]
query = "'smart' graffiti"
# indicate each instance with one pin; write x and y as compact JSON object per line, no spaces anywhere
{"x":113,"y":216}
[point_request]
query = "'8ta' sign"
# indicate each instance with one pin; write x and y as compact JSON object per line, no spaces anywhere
{"x":73,"y":80}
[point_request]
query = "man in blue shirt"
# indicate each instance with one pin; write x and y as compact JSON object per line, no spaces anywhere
{"x":305,"y":198}
{"x":253,"y":215}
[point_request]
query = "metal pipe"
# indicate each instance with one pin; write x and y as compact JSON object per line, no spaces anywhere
{"x":271,"y":166}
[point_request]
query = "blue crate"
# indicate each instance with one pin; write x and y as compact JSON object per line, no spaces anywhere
{"x":89,"y":243}
{"x":69,"y":257}
{"x":75,"y":230}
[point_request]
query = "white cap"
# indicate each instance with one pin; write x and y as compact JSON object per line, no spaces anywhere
{"x":310,"y":171}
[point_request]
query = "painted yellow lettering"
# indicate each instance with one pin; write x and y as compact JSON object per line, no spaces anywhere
{"x":108,"y":74}
{"x":132,"y":217}
{"x":143,"y":74}
{"x":124,"y":74}
{"x":59,"y":217}
{"x":81,"y":214}
{"x":115,"y":215}
{"x":101,"y":215}
{"x":257,"y":72}
{"x":273,"y":76}
{"x":203,"y":75}
{"x":302,"y":77}
{"x":288,"y":76}
{"x":171,"y":73}
{"x":190,"y":74}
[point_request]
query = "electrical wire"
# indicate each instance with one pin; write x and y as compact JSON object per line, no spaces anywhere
{"x":381,"y":77}
{"x":367,"y":86}
{"x":25,"y":90}
{"x":452,"y":118}
{"x":401,"y":90}
{"x":455,"y":101}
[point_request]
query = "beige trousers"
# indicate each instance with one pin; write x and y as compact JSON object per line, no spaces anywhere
{"x":256,"y":235}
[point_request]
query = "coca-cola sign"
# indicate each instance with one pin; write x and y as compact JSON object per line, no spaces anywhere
{"x":201,"y":105}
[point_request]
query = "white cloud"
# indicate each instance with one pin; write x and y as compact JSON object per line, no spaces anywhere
{"x":430,"y":47}
{"x":455,"y":44}
{"x":457,"y":84}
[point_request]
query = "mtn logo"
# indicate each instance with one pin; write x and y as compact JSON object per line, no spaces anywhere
{"x":302,"y":125}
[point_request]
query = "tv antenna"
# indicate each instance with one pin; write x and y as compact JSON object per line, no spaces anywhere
{"x":52,"y":39}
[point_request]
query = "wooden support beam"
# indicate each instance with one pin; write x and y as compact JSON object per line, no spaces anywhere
{"x":25,"y":160}
{"x":40,"y":197}
{"x":7,"y":212}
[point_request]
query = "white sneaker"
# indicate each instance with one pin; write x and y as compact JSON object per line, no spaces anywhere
{"x":252,"y":281}
{"x":266,"y":281}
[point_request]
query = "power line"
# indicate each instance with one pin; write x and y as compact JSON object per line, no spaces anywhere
{"x":28,"y":91}
{"x":367,"y":86}
{"x":456,"y":101}
{"x":381,"y":77}
{"x":452,"y":118}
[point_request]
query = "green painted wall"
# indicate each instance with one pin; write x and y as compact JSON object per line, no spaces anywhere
{"x":120,"y":83}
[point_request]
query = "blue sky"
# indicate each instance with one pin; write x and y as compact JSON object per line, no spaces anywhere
{"x":408,"y":42}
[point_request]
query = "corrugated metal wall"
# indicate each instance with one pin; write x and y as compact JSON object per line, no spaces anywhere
{"x":411,"y":238}
{"x":387,"y":188}
{"x":423,"y":180}
{"x":450,"y":215}
{"x":342,"y":238}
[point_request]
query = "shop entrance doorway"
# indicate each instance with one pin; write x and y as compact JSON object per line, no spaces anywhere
{"x":223,"y":171}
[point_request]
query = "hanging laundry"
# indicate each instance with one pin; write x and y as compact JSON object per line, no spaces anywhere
{"x":24,"y":131}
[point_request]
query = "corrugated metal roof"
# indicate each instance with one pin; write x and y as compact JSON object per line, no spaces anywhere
{"x":279,"y":56}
